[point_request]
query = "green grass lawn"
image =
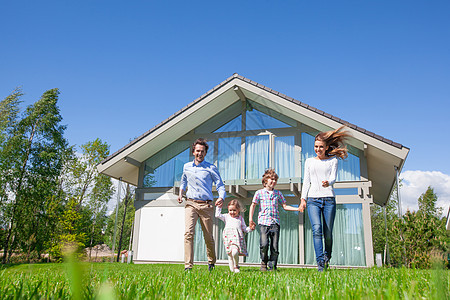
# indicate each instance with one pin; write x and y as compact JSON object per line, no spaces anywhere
{"x":122,"y":281}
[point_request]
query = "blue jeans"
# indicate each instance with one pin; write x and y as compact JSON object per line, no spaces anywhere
{"x":321,"y":212}
{"x":269,"y":237}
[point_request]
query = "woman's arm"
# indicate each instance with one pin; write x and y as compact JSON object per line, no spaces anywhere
{"x":333,"y":174}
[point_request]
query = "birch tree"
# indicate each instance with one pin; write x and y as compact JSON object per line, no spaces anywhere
{"x":32,"y":158}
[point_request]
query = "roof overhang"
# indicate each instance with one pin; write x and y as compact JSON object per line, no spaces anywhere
{"x":382,"y":155}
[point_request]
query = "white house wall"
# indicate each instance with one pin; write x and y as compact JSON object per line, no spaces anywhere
{"x":159,"y":228}
{"x":161,"y":236}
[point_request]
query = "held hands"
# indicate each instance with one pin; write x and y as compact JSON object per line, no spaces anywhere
{"x":325,"y":183}
{"x":302,"y":205}
{"x":252,"y":225}
{"x":219,"y":202}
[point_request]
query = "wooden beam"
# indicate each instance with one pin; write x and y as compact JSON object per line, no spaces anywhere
{"x":295,"y":188}
{"x":239,"y":92}
{"x":132,"y":161}
{"x":239,"y":189}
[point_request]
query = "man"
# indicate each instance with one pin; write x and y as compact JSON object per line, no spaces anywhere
{"x":198,"y":177}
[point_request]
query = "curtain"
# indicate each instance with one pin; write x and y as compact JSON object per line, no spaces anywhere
{"x":288,"y":244}
{"x":307,"y":149}
{"x":348,"y":237}
{"x":256,"y":156}
{"x":210,"y":154}
{"x":229,"y":160}
{"x":288,"y":237}
{"x":284,"y":156}
{"x":199,"y":244}
{"x":349,"y":169}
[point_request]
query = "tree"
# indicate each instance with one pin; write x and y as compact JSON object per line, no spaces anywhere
{"x":125,"y":227}
{"x":383,"y":224}
{"x":9,"y":110}
{"x":32,"y":158}
{"x":415,"y":238}
{"x":90,"y":190}
{"x":70,"y":237}
{"x":427,"y":204}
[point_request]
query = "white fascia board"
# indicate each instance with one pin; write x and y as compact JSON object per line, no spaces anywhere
{"x":314,"y":119}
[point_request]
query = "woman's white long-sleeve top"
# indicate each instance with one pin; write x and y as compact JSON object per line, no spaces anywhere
{"x":316,"y":171}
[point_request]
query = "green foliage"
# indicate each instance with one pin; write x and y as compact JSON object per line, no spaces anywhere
{"x":128,"y":224}
{"x":90,"y":192}
{"x":49,"y":197}
{"x":417,"y":239}
{"x":32,"y":157}
{"x":121,"y":281}
{"x":427,"y":204}
{"x":69,"y":237}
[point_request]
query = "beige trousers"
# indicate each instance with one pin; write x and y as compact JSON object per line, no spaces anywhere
{"x":193,"y":211}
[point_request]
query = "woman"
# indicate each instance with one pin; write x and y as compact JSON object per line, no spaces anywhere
{"x":317,"y":192}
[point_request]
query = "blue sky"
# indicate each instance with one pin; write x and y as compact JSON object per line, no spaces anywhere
{"x":124,"y":66}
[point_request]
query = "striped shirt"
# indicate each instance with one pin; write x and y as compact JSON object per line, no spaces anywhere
{"x":268,"y":206}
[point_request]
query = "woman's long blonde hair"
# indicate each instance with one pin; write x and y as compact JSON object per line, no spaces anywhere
{"x":335,"y":140}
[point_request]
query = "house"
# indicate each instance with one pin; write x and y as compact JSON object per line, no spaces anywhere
{"x":250,"y":127}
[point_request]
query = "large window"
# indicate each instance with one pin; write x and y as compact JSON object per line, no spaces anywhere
{"x":348,"y":237}
{"x":229,"y":161}
{"x":258,"y":120}
{"x":165,"y":168}
{"x":256,"y":156}
{"x":348,"y":169}
{"x":284,"y":163}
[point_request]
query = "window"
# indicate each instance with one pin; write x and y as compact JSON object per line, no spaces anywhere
{"x":256,"y":120}
{"x":229,"y":161}
{"x":348,"y":169}
{"x":284,"y":163}
{"x":348,"y":237}
{"x":256,"y":156}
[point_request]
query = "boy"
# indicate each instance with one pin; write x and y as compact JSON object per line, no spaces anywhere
{"x":269,"y":219}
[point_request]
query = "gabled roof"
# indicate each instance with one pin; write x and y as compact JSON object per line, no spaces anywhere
{"x":382,"y":154}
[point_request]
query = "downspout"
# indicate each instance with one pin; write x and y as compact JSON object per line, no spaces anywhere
{"x":387,"y":259}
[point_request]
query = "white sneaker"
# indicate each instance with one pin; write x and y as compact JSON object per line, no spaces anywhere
{"x":236,"y":270}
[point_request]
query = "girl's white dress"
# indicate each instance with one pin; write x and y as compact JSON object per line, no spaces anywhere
{"x":233,"y":233}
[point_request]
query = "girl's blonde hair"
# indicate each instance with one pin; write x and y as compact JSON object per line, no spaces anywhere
{"x":335,"y":139}
{"x":238,"y":205}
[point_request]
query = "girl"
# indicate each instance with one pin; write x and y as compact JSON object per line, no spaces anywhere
{"x":233,"y":233}
{"x":317,"y":192}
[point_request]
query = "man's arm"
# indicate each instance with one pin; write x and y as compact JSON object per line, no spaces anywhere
{"x":219,"y":185}
{"x":180,"y":195}
{"x":182,"y":186}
